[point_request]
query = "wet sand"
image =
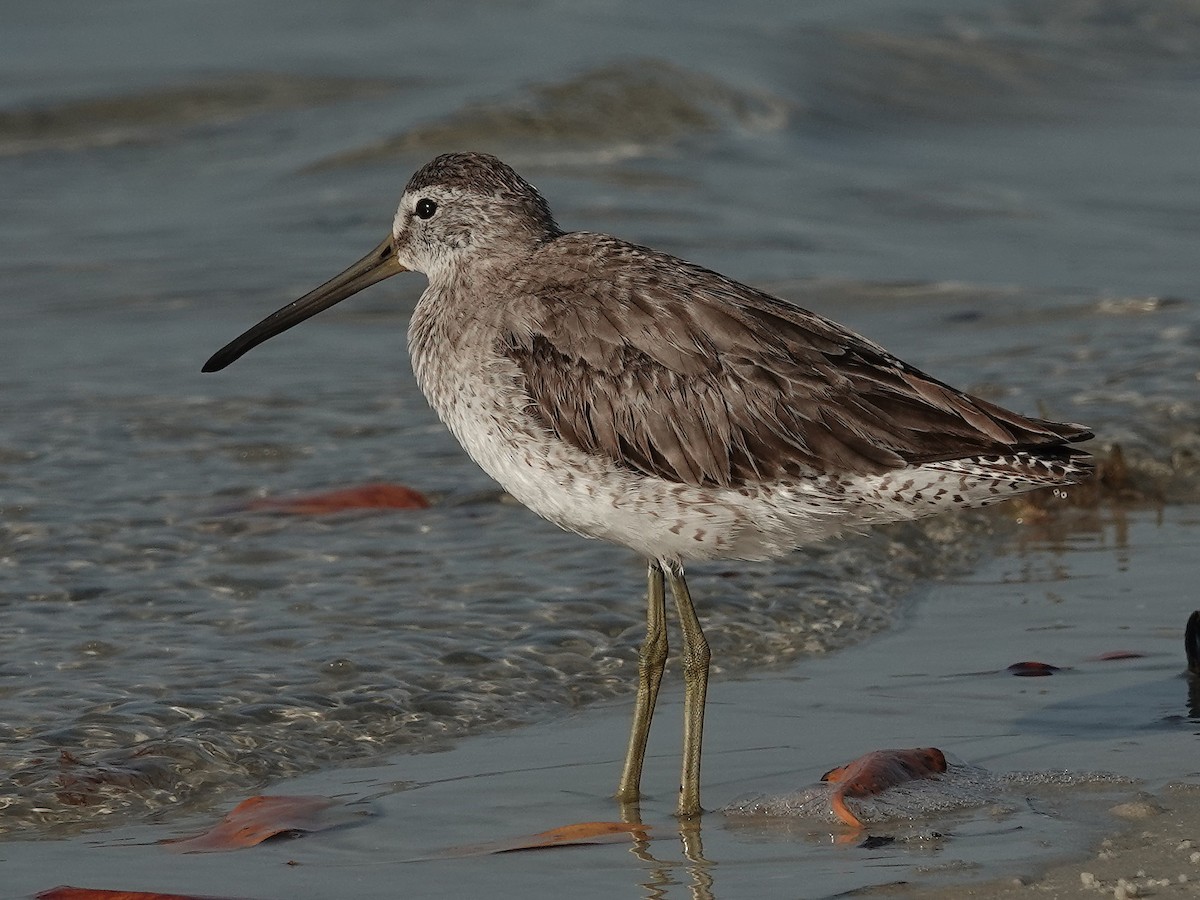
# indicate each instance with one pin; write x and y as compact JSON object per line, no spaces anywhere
{"x":937,"y":680}
{"x":1157,"y":854}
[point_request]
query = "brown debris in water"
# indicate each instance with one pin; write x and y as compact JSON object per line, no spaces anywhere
{"x":382,"y":495}
{"x":68,"y":892}
{"x":875,"y":772}
{"x":259,"y":818}
{"x":1114,"y":483}
{"x":564,"y":836}
{"x":1032,"y":669}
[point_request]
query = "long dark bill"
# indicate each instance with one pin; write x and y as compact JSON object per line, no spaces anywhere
{"x":377,"y":265}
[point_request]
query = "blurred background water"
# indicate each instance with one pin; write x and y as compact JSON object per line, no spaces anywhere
{"x":1004,"y":192}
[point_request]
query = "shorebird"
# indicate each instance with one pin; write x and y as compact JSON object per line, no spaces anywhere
{"x":628,"y":395}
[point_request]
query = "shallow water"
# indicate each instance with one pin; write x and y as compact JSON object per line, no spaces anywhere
{"x":1003,"y":195}
{"x":1038,"y":765}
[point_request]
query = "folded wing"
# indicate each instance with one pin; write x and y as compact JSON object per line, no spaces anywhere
{"x":675,"y":371}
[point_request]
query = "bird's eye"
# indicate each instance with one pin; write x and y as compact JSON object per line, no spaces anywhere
{"x":426,"y":208}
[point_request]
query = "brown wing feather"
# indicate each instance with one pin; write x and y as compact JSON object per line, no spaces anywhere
{"x":679,"y":372}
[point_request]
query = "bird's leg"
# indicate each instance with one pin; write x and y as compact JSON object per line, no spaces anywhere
{"x":695,"y":686}
{"x":650,"y":670}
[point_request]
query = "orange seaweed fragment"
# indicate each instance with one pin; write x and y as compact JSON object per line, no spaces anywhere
{"x":368,"y":496}
{"x":1119,"y":654}
{"x":67,"y":892}
{"x":564,"y":836}
{"x":255,"y":820}
{"x":875,"y":772}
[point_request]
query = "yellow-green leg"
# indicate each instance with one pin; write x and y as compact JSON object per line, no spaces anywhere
{"x":650,"y":670}
{"x":695,"y":687}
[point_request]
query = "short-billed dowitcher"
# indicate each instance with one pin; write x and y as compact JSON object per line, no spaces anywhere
{"x":628,"y":395}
